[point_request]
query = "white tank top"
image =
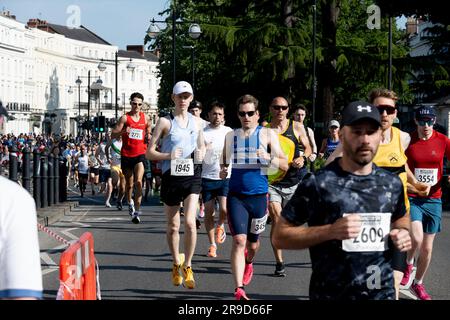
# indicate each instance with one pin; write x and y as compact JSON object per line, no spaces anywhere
{"x":83,"y":164}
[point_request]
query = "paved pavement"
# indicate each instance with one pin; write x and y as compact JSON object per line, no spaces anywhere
{"x":135,"y":263}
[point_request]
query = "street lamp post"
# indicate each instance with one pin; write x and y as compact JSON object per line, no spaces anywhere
{"x":78,"y":82}
{"x":390,"y":54}
{"x":102,"y":67}
{"x":314,"y":85}
{"x":193,"y":64}
{"x":194,"y":32}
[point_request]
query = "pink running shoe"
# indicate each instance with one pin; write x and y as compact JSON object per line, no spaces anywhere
{"x":420,"y":292}
{"x":248,"y":273}
{"x":239,"y":294}
{"x":407,"y":274}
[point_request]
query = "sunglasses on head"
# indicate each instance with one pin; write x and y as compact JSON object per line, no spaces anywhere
{"x":248,"y":113}
{"x":278,"y":108}
{"x":389,"y":109}
{"x":136,"y":104}
{"x":429,"y":122}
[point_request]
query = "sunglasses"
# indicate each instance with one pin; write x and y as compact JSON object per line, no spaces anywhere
{"x":278,"y":108}
{"x":422,"y":123}
{"x":248,"y":113}
{"x":136,"y":104}
{"x":389,"y":109}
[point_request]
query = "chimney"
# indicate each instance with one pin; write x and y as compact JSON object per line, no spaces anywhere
{"x":7,"y":14}
{"x":137,"y":48}
{"x":412,"y":26}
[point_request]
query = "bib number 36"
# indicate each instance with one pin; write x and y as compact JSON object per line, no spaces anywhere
{"x":182,"y":167}
{"x":258,"y":225}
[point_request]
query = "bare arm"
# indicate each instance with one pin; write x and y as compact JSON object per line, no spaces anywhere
{"x":148,"y":127}
{"x":289,"y":236}
{"x":108,"y":145}
{"x":323,"y":148}
{"x":226,"y":155}
{"x":161,"y":128}
{"x":201,"y":146}
{"x":405,"y":139}
{"x":277,"y":157}
{"x":117,"y":130}
{"x":336,"y":154}
{"x":313,"y":141}
{"x":415,"y":186}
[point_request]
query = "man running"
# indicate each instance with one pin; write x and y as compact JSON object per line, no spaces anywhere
{"x":135,"y":128}
{"x":247,"y":150}
{"x":213,"y":187}
{"x":281,"y":191}
{"x":113,"y":154}
{"x":391,"y":156}
{"x":425,"y":159}
{"x":356,"y":215}
{"x":182,"y":151}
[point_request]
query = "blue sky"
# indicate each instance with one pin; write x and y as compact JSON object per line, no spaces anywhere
{"x":120,"y":22}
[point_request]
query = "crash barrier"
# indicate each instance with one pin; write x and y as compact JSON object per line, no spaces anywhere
{"x":78,"y":271}
{"x":43,"y":175}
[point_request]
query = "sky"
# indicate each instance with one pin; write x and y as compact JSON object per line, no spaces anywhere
{"x":119,"y":22}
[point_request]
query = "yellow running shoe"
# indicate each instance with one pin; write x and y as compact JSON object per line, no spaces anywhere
{"x":188,"y":277}
{"x":177,"y":279}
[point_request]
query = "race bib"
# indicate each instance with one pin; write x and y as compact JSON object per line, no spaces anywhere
{"x":427,"y":176}
{"x":182,"y":167}
{"x":258,"y":225}
{"x":375,"y":228}
{"x":136,"y":134}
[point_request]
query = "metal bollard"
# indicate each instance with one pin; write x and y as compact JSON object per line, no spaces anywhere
{"x":44,"y":182}
{"x":56,"y":179}
{"x":51,"y":178}
{"x":36,"y":178}
{"x":26,"y":169}
{"x":13,"y":164}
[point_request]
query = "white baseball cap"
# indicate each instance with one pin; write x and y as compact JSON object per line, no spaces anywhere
{"x":181,"y":87}
{"x":333,"y":123}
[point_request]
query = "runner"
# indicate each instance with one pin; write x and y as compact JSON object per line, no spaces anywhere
{"x":104,"y":172}
{"x":94,"y":167}
{"x":182,"y":150}
{"x":425,"y":158}
{"x":213,"y":187}
{"x":82,"y":163}
{"x":281,"y":190}
{"x":135,"y":129}
{"x":354,"y":210}
{"x":391,"y":156}
{"x":330,"y":143}
{"x":113,"y":154}
{"x":247,"y":149}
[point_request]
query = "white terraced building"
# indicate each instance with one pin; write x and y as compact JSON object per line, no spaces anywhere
{"x":40,"y":63}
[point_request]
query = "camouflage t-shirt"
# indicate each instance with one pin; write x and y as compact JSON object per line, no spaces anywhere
{"x":323,"y":198}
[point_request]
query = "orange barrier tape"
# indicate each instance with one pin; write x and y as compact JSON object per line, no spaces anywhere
{"x":77,"y":270}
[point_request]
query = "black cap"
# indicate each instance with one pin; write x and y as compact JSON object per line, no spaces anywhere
{"x":358,"y":110}
{"x":425,"y":112}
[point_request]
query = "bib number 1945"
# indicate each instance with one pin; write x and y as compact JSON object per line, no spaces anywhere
{"x":182,"y":167}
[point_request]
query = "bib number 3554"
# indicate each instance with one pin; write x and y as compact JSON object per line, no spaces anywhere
{"x":375,"y":228}
{"x":182,"y":167}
